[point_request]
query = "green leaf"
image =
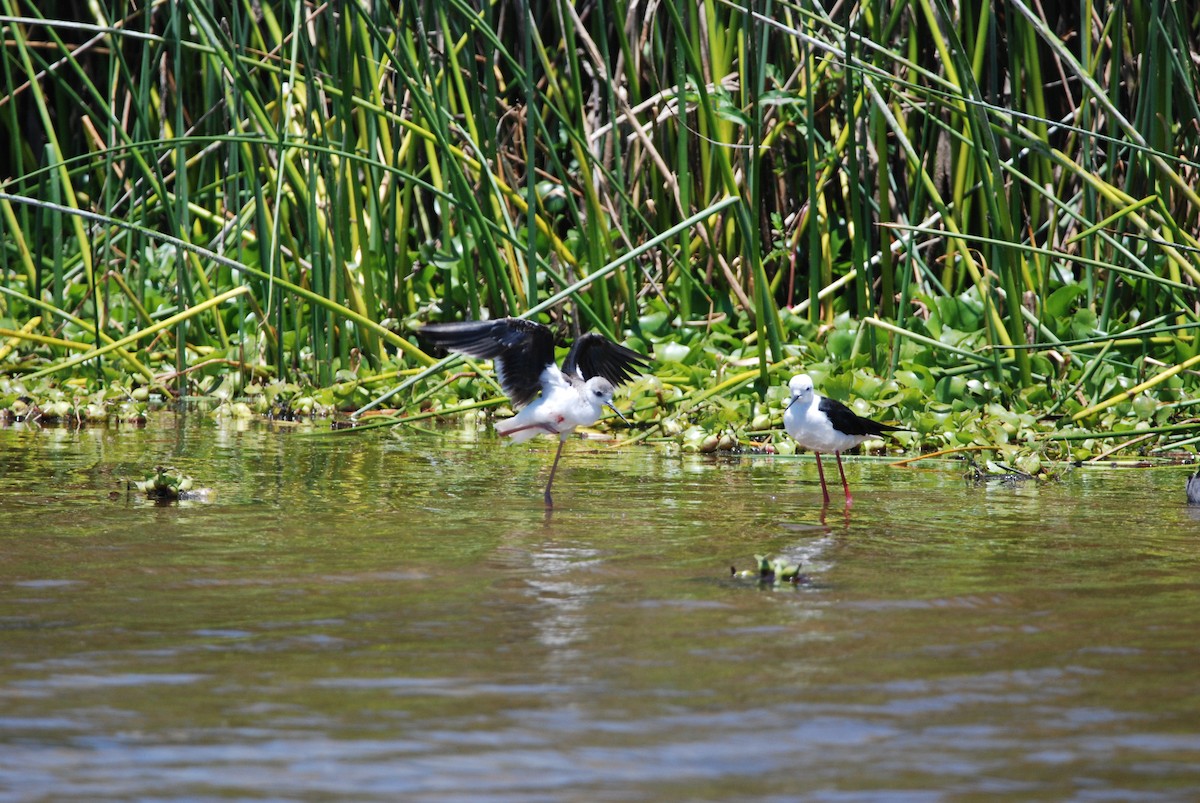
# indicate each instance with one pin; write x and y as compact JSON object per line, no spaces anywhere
{"x":1060,"y":301}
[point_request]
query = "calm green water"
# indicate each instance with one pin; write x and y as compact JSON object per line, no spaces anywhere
{"x":393,"y":617}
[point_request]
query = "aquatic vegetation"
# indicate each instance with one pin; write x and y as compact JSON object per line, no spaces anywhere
{"x":167,"y":484}
{"x":989,"y":252}
{"x":770,"y":571}
{"x":1027,"y":466}
{"x":76,"y":402}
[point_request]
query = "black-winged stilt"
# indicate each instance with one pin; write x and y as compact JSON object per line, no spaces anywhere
{"x":825,"y":425}
{"x":523,"y":354}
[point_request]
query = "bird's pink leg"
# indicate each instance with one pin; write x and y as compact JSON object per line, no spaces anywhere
{"x":553,"y":468}
{"x":510,"y":432}
{"x":845,"y":485}
{"x":821,"y":474}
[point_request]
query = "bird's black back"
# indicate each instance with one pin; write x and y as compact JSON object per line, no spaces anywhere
{"x":521,"y":350}
{"x":849,"y":422}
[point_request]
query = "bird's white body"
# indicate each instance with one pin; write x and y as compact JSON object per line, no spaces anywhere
{"x":563,"y":405}
{"x":809,"y":426}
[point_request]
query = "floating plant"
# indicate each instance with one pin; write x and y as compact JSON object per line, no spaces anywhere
{"x":169,"y":484}
{"x":769,"y":570}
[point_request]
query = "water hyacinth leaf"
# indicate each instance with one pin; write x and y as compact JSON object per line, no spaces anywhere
{"x":866,"y":385}
{"x":668,"y":351}
{"x":958,"y":313}
{"x":655,"y":323}
{"x":916,"y":377}
{"x":1059,"y":303}
{"x":837,"y":386}
{"x":1083,"y":324}
{"x":840,"y":343}
{"x":1144,"y":406}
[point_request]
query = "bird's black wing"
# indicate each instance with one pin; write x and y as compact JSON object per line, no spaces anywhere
{"x":521,"y":350}
{"x":849,"y":422}
{"x":595,"y":355}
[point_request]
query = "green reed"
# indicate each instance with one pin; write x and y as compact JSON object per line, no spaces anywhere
{"x":358,"y":169}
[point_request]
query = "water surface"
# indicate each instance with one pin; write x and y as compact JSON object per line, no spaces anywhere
{"x":392,"y":616}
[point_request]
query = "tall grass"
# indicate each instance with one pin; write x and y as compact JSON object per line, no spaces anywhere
{"x":980,"y":178}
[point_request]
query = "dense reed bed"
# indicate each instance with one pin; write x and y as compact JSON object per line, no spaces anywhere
{"x":979,"y":219}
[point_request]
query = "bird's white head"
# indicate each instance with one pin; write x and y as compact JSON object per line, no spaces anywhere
{"x":801,"y":388}
{"x":599,"y":392}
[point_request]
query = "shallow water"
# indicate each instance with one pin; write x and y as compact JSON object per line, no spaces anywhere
{"x":393,"y":616}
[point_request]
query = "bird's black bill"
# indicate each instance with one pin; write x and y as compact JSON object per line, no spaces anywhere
{"x":618,"y":412}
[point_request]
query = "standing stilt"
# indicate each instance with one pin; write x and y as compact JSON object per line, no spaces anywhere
{"x":825,"y":425}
